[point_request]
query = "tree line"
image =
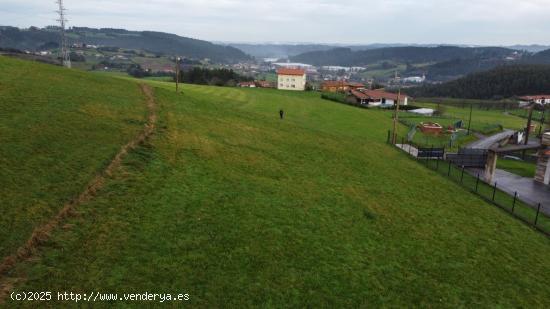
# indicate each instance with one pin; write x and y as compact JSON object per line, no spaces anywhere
{"x":499,"y":83}
{"x":213,"y":77}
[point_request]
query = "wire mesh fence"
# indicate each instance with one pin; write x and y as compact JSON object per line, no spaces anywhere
{"x":536,"y":216}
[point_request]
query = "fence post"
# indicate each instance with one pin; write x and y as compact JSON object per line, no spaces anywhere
{"x":462,"y":175}
{"x":402,"y":141}
{"x":449,"y":172}
{"x":514,"y":203}
{"x":537,"y":217}
{"x":431,"y":152}
{"x":427,"y":159}
{"x":477,"y":183}
{"x":494,"y":191}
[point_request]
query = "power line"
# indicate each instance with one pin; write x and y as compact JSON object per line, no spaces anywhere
{"x":64,"y":52}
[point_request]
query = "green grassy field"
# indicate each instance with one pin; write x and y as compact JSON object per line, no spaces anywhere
{"x":58,"y":128}
{"x":239,"y":208}
{"x":521,"y":168}
{"x":481,"y":119}
{"x":486,"y":122}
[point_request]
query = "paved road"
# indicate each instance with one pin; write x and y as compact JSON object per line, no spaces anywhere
{"x":486,"y":143}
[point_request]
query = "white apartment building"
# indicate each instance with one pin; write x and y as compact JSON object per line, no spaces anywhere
{"x":291,"y":79}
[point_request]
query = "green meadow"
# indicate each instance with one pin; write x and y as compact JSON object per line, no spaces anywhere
{"x":521,"y":168}
{"x":58,"y":129}
{"x":482,"y":120}
{"x":238,"y":208}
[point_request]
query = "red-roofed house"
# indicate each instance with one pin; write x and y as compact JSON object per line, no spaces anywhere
{"x":247,"y":84}
{"x":264,"y":84}
{"x":291,"y":79}
{"x":339,"y":86}
{"x":376,"y":97}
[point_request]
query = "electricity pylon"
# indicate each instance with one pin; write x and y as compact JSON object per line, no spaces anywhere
{"x":64,"y":51}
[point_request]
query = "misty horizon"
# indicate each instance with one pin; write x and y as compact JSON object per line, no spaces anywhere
{"x":427,"y":22}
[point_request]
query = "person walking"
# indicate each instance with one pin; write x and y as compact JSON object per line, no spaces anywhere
{"x":282,"y":114}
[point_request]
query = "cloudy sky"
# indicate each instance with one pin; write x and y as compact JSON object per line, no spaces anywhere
{"x":484,"y":22}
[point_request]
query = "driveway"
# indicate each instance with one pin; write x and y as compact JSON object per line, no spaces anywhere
{"x":487,"y":142}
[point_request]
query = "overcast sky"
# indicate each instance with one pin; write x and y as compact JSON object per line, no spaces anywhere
{"x":483,"y":22}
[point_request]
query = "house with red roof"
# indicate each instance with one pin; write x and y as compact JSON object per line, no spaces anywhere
{"x":291,"y":79}
{"x":247,"y":85}
{"x":376,"y":97}
{"x":340,"y":86}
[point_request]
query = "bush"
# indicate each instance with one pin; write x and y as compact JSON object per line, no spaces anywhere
{"x":336,"y":97}
{"x":215,"y":77}
{"x":137,"y":71}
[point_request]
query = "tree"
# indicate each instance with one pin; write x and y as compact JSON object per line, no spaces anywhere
{"x":76,"y":57}
{"x":137,"y":71}
{"x":216,"y":77}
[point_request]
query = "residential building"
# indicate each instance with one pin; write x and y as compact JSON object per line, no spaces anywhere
{"x":539,"y":99}
{"x":264,"y":84}
{"x":291,"y":79}
{"x":415,"y":79}
{"x":376,"y":98}
{"x":340,"y":86}
{"x":247,"y":84}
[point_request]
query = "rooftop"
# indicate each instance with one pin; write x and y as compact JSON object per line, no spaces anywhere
{"x":287,"y":71}
{"x":535,"y":97}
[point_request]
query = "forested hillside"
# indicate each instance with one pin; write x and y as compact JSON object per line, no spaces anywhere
{"x":501,"y":82}
{"x":348,"y":57}
{"x":159,"y":42}
{"x":541,"y":57}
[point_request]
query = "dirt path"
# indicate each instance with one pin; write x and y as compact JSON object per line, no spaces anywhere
{"x":42,"y":233}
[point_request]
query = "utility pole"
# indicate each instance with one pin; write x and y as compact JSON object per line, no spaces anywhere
{"x":543,"y":118}
{"x":470,"y":121}
{"x":396,"y":113}
{"x":528,"y":130}
{"x":177,"y":73}
{"x":64,"y":45}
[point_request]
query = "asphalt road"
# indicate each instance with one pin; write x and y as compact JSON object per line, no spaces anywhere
{"x":486,"y":143}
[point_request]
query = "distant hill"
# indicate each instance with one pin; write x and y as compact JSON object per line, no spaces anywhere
{"x":158,"y":42}
{"x":455,"y":68}
{"x":501,"y":82}
{"x":534,"y":48}
{"x":542,"y":57}
{"x":410,"y":54}
{"x":261,"y":51}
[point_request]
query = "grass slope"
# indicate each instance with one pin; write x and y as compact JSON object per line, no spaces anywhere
{"x":238,"y":208}
{"x":481,"y":119}
{"x":57,"y":129}
{"x":521,"y":168}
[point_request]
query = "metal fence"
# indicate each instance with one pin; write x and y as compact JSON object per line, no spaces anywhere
{"x":468,"y":157}
{"x":537,"y":217}
{"x":431,"y":153}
